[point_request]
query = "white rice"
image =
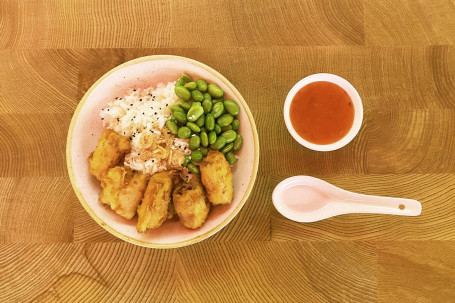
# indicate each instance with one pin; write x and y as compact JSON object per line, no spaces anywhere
{"x":141,"y":112}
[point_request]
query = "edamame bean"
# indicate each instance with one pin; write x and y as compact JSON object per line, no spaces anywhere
{"x":215,"y":101}
{"x":217,"y":109}
{"x":180,"y":82}
{"x":190,"y":85}
{"x":193,"y":127}
{"x":184,"y":132}
{"x":172,"y":119}
{"x":229,"y":135}
{"x":235,"y":124}
{"x":196,"y":155}
{"x":194,"y":113}
{"x":207,"y":96}
{"x":201,"y":85}
{"x":194,"y":169}
{"x":187,"y":160}
{"x":172,"y":127}
{"x":230,"y":158}
{"x":186,"y":78}
{"x":212,"y":137}
{"x":207,"y":106}
{"x":231,"y":107}
{"x":225,"y":120}
{"x":238,"y":142}
{"x":209,"y":122}
{"x":180,"y":117}
{"x":226,"y":128}
{"x":176,"y":107}
{"x":217,"y":129}
{"x":219,"y":143}
{"x":204,"y":139}
{"x":182,"y":92}
{"x":195,"y":142}
{"x":195,"y":104}
{"x":215,"y":91}
{"x":204,"y":151}
{"x":227,"y":148}
{"x":203,"y":129}
{"x":200,"y":121}
{"x":197,"y":96}
{"x":185,"y":105}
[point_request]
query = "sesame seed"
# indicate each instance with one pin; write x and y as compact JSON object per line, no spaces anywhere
{"x":102,"y":118}
{"x":120,"y":98}
{"x":131,"y":138}
{"x":108,"y":109}
{"x":143,"y":113}
{"x":167,"y":105}
{"x":134,"y":90}
{"x":131,"y":104}
{"x":140,"y":99}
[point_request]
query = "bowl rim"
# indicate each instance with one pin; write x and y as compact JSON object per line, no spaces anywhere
{"x":350,"y":90}
{"x":112,"y":230}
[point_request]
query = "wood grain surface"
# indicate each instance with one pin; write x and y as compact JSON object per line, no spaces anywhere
{"x":400,"y":56}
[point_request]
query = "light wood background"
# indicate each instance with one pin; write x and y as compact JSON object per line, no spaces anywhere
{"x":400,"y":55}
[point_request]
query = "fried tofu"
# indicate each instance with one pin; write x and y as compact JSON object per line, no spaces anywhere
{"x":191,"y":204}
{"x":108,"y":153}
{"x":216,"y":176}
{"x":123,"y":190}
{"x":156,"y":204}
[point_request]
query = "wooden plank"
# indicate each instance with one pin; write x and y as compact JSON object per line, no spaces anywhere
{"x":36,"y":210}
{"x":420,"y":271}
{"x":140,"y":23}
{"x":409,"y":22}
{"x":435,"y":192}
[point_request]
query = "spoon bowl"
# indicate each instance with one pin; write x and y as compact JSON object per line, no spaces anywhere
{"x":309,"y":199}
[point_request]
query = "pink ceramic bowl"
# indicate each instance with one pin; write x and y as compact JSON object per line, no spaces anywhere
{"x":86,"y":128}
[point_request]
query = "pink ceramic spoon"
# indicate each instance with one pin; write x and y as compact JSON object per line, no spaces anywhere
{"x":309,"y":199}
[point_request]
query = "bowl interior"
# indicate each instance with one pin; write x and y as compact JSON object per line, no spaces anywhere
{"x":86,"y":128}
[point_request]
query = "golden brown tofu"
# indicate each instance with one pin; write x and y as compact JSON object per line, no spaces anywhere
{"x":123,"y":190}
{"x":108,"y":153}
{"x":217,"y":178}
{"x":191,"y":204}
{"x":155,"y":206}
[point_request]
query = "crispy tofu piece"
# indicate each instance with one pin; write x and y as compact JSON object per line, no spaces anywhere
{"x":216,"y":176}
{"x":191,"y":204}
{"x":123,"y":190}
{"x":108,"y":153}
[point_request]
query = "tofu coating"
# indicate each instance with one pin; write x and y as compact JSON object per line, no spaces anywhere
{"x":216,"y":176}
{"x":122,"y":190}
{"x":191,"y":203}
{"x":108,"y":153}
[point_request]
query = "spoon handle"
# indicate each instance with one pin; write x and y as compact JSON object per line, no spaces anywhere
{"x":358,"y":203}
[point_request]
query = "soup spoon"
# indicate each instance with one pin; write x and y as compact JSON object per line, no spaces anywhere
{"x":309,"y":199}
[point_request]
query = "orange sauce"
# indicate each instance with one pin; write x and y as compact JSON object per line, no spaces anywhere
{"x":322,"y":112}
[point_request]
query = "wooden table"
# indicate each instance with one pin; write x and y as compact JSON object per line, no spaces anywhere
{"x":400,"y":55}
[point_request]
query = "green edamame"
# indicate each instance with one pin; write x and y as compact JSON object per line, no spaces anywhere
{"x":203,"y":129}
{"x":197,"y":96}
{"x":186,"y":78}
{"x":172,"y":127}
{"x":225,"y":120}
{"x":215,"y":101}
{"x":176,"y":107}
{"x":204,"y":139}
{"x":231,"y":107}
{"x":212,"y":137}
{"x":207,"y":96}
{"x":180,"y":117}
{"x":230,"y":158}
{"x":193,"y":127}
{"x":196,"y":155}
{"x":201,"y":85}
{"x":238,"y":143}
{"x":195,"y":104}
{"x":180,"y":82}
{"x":209,"y":122}
{"x":184,"y":132}
{"x":207,"y":106}
{"x":219,"y":143}
{"x":183,"y":93}
{"x":194,"y":169}
{"x":235,"y":124}
{"x":217,"y":129}
{"x":195,"y":142}
{"x":204,"y":151}
{"x":226,"y":128}
{"x":229,"y":135}
{"x":194,"y":113}
{"x":191,"y":85}
{"x":227,"y":148}
{"x":217,"y":109}
{"x":187,"y":160}
{"x":200,"y":121}
{"x":185,"y":105}
{"x":215,"y":91}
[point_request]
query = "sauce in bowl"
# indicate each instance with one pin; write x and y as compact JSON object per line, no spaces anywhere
{"x":322,"y":112}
